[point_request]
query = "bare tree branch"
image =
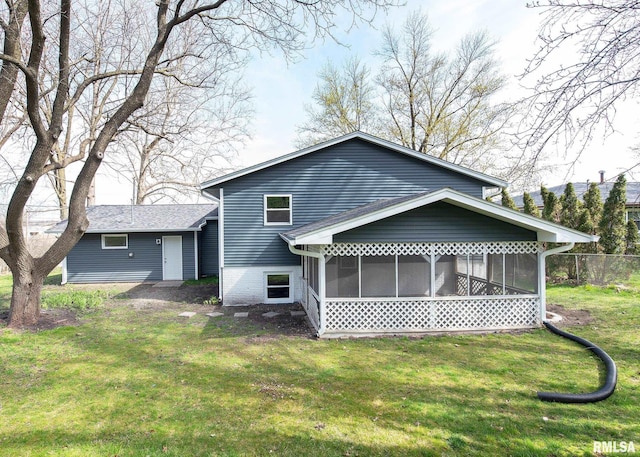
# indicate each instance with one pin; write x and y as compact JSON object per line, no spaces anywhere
{"x":595,"y":45}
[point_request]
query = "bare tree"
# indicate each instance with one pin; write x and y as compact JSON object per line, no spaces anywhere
{"x":101,"y":28}
{"x":185,"y":134}
{"x":441,"y":104}
{"x":271,"y":24}
{"x":587,"y":62}
{"x":343,"y":103}
{"x":434,"y":103}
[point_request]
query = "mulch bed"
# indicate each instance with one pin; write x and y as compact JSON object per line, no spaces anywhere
{"x":49,"y":319}
{"x":284,"y":323}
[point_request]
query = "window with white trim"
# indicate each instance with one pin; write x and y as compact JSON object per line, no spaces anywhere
{"x":278,"y":287}
{"x":119,"y":241}
{"x":277,"y":209}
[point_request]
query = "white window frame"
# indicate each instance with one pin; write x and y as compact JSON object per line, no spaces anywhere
{"x":289,"y":298}
{"x":126,"y":238}
{"x":290,"y":209}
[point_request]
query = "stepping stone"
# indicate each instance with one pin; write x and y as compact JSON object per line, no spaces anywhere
{"x":270,"y":314}
{"x":298,"y":313}
{"x":241,"y":314}
{"x":215,"y":314}
{"x":187,"y":314}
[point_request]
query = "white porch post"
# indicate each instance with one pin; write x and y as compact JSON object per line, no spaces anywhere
{"x":322,"y":294}
{"x":321,"y":284}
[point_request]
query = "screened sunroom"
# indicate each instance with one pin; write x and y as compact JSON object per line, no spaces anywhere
{"x":353,"y":285}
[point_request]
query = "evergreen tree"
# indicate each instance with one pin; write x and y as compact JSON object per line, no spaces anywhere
{"x":551,"y":207}
{"x":586,"y":225}
{"x":612,"y":227}
{"x":544,"y":193}
{"x":631,"y":239}
{"x":593,"y":203}
{"x":570,"y":207}
{"x":530,"y":205}
{"x":507,"y":201}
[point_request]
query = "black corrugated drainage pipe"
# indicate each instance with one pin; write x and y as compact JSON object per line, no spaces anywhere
{"x":601,"y":394}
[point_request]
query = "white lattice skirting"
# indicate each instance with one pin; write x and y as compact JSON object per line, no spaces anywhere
{"x":496,"y":247}
{"x":400,"y":316}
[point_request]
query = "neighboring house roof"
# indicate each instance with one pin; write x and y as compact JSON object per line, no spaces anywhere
{"x":322,"y":231}
{"x":633,"y":193}
{"x":145,"y":218}
{"x":365,"y":137}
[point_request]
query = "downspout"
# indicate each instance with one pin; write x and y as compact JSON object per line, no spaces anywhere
{"x":542,"y":283}
{"x":321,"y":280}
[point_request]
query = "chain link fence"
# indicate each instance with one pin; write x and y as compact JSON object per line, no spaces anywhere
{"x":597,"y":269}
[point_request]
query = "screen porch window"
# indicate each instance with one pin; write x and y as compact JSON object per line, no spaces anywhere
{"x":277,"y":210}
{"x":115,"y":241}
{"x":278,"y":286}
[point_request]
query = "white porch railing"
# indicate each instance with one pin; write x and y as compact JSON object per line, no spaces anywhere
{"x":395,"y":315}
{"x":311,"y":304}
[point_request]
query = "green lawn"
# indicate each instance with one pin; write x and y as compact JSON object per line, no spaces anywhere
{"x":143,"y":382}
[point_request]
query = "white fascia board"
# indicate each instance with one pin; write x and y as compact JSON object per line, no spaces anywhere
{"x":363,"y":136}
{"x":546,"y":231}
{"x":146,"y":230}
{"x":325,"y":235}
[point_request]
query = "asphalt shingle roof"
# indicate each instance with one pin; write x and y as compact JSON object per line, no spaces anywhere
{"x":145,"y":218}
{"x":349,"y":215}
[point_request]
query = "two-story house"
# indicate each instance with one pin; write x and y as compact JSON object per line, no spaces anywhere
{"x":369,"y":236}
{"x":372,"y":237}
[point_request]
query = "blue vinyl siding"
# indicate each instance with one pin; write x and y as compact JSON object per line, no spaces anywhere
{"x":88,"y":262}
{"x":323,"y":183}
{"x":208,"y":246}
{"x":438,"y":222}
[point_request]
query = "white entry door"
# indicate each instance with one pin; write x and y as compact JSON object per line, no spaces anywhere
{"x":172,"y":258}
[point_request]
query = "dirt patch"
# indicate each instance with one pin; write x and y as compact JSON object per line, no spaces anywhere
{"x":49,"y":319}
{"x":282,"y":324}
{"x":145,"y":297}
{"x":570,"y":317}
{"x":182,"y":294}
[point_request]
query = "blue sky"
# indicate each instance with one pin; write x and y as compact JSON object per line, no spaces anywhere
{"x":282,"y":89}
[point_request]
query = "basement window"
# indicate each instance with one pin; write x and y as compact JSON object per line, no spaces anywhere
{"x":115,"y":241}
{"x":278,"y":287}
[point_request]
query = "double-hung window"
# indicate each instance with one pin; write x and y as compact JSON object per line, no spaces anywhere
{"x":278,"y":287}
{"x":277,"y":209}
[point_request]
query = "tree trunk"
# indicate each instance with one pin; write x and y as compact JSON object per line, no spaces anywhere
{"x":91,"y":196}
{"x":25,"y":300}
{"x":60,"y":185}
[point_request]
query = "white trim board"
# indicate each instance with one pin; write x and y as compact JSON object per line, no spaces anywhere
{"x":546,"y":231}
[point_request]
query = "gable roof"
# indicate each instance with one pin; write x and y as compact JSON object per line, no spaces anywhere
{"x":581,"y":188}
{"x":322,"y":231}
{"x":145,"y":218}
{"x":490,"y":180}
